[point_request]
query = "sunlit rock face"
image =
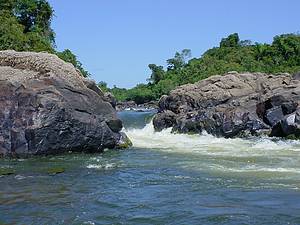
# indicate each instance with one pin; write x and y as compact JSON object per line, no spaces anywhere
{"x":234,"y":105}
{"x":47,"y":107}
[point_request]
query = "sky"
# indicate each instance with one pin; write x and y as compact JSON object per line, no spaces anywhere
{"x":116,"y":39}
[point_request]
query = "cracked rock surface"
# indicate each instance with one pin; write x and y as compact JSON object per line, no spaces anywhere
{"x":234,"y":105}
{"x":46,"y":107}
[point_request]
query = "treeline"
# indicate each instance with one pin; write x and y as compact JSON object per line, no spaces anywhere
{"x":233,"y":54}
{"x":26,"y":26}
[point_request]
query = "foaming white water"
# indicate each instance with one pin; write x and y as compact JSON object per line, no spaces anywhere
{"x":207,"y":144}
{"x":99,"y":166}
{"x":261,"y":155}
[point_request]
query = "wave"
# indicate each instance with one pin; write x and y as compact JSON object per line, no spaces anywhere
{"x":107,"y":166}
{"x":257,"y":156}
{"x":208,"y":144}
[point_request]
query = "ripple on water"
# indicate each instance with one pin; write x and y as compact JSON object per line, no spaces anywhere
{"x":164,"y":179}
{"x":107,"y":166}
{"x":261,"y":157}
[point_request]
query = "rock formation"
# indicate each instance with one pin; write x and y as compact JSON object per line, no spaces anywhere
{"x":46,"y":107}
{"x":234,"y":105}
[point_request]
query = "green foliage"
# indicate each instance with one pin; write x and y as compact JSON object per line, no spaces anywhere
{"x":26,"y":26}
{"x":162,"y":88}
{"x":140,"y":94}
{"x":283,"y":55}
{"x":121,"y":94}
{"x":68,"y":56}
{"x":35,"y":16}
{"x":7,"y":5}
{"x":103,"y":86}
{"x":233,"y":40}
{"x":179,"y":59}
{"x":11,"y":33}
{"x":157,"y":73}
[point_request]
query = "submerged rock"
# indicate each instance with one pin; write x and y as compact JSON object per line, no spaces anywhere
{"x":55,"y":170}
{"x":124,"y":142}
{"x":6,"y":171}
{"x":47,"y":107}
{"x":232,"y":105}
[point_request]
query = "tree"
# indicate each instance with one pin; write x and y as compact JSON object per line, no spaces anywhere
{"x":287,"y":45}
{"x":163,"y":87}
{"x":179,"y":59}
{"x":157,"y":73}
{"x":7,"y":5}
{"x":244,"y":43}
{"x":103,"y":86}
{"x":11,"y":33}
{"x":232,"y":40}
{"x":261,"y":50}
{"x":140,"y":94}
{"x":283,"y":55}
{"x":26,"y":26}
{"x":68,"y":56}
{"x":35,"y":15}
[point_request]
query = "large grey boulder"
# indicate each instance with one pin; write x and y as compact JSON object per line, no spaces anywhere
{"x":46,"y":107}
{"x":231,"y":105}
{"x":109,"y":97}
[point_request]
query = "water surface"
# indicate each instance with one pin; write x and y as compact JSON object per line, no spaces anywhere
{"x":163,"y":179}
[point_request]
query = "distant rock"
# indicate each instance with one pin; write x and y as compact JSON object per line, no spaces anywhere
{"x":131,"y":105}
{"x":149,"y":105}
{"x":48,"y":108}
{"x":233,"y":105}
{"x":126,"y":105}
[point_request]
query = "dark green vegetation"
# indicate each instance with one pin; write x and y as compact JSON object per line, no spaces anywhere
{"x":6,"y":171}
{"x":26,"y":26}
{"x":55,"y":170}
{"x":283,"y":55}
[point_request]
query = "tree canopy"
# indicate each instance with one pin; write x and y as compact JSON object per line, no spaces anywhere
{"x":233,"y":54}
{"x":26,"y":26}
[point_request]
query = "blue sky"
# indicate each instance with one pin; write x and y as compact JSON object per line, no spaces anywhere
{"x":117,"y":39}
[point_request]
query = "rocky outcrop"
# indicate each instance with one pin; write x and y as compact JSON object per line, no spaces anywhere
{"x":152,"y":105}
{"x":109,"y":97}
{"x":48,"y":108}
{"x":234,"y":105}
{"x":131,"y":105}
{"x":126,"y":105}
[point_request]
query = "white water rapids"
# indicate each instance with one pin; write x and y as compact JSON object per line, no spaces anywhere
{"x":262,"y":157}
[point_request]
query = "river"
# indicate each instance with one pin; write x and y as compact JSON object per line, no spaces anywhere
{"x":164,"y":178}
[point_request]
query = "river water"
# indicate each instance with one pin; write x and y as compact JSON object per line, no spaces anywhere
{"x":163,"y":179}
